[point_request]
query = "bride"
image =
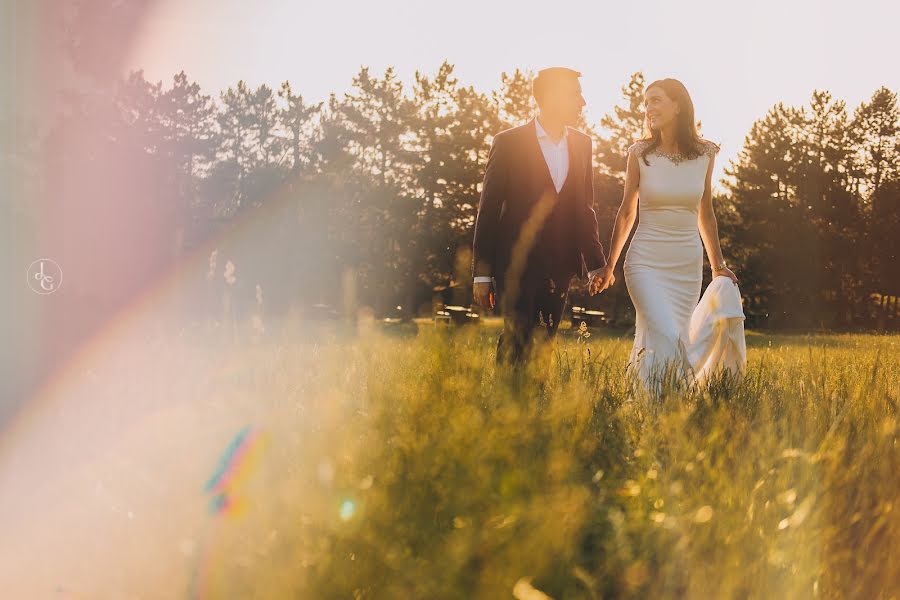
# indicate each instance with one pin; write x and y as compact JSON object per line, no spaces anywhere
{"x":669,"y":172}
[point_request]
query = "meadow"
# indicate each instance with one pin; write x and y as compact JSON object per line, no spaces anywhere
{"x":406,"y":467}
{"x":399,"y":463}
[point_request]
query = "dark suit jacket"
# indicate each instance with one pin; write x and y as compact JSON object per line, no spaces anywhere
{"x":515,"y":178}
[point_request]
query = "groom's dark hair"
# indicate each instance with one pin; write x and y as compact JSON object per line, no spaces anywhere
{"x":547,"y":78}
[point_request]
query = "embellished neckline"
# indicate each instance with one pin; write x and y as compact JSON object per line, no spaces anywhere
{"x":676,"y":158}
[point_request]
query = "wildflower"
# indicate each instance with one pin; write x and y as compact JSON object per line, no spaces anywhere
{"x":583,"y":333}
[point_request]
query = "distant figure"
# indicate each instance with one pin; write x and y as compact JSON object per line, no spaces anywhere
{"x":536,"y":227}
{"x":670,"y":172}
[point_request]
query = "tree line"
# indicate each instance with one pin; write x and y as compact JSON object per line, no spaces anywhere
{"x":379,"y":187}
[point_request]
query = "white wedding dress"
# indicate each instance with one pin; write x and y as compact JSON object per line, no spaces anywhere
{"x":674,"y":334}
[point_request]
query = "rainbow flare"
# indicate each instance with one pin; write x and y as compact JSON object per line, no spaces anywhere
{"x":232,"y":471}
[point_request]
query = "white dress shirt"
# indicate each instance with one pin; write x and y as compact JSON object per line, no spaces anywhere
{"x":556,"y":155}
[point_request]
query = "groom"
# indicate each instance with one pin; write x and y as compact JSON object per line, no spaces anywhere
{"x":536,"y":227}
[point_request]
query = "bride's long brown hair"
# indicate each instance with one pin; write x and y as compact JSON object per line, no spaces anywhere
{"x":689,"y":143}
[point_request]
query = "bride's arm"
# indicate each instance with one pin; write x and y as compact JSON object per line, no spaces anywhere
{"x":709,"y":228}
{"x":627,"y":212}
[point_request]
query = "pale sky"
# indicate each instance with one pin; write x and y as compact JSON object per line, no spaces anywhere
{"x":737,"y":59}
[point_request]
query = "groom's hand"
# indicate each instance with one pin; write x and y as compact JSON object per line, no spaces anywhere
{"x":598,"y":281}
{"x":483,"y":294}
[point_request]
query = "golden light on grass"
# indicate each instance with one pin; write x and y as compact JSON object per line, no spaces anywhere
{"x":407,"y":466}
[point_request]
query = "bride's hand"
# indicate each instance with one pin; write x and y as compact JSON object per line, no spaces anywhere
{"x":601,"y":280}
{"x":727,"y":273}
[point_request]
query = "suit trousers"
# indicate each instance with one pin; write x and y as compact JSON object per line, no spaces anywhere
{"x":531,"y":318}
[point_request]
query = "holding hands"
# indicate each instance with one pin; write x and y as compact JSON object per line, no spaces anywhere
{"x":599,"y":280}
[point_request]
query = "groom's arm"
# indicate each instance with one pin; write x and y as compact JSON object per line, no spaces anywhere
{"x":588,"y":230}
{"x":493,"y":190}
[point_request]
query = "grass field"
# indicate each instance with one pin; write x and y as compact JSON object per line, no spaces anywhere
{"x":424,"y":476}
{"x":400,"y":465}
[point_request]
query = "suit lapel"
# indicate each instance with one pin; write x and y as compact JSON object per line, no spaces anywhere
{"x":542,"y":178}
{"x":576,"y":165}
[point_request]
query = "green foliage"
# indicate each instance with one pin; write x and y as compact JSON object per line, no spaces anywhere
{"x":392,"y":173}
{"x":806,"y":190}
{"x":414,"y":469}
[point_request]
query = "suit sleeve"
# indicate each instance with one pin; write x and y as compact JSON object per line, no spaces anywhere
{"x":493,"y":192}
{"x":588,"y":230}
